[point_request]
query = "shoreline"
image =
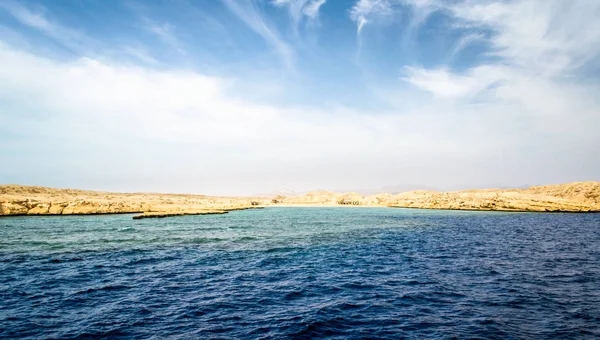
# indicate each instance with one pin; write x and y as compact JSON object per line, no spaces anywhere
{"x":159,"y":215}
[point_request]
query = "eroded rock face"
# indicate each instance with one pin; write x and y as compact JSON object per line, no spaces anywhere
{"x":34,"y":207}
{"x":14,"y":208}
{"x":24,"y":200}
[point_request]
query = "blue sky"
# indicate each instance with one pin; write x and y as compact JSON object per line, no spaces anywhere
{"x":242,"y":97}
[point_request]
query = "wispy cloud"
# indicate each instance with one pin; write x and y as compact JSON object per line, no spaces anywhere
{"x":540,"y":49}
{"x":549,"y":37}
{"x":466,"y":40}
{"x":25,"y":16}
{"x":166,"y":33}
{"x":72,"y":39}
{"x":372,"y":11}
{"x":141,"y":54}
{"x":301,"y":9}
{"x":80,"y":43}
{"x":364,"y":11}
{"x":311,"y":10}
{"x":249,"y":13}
{"x":547,"y":41}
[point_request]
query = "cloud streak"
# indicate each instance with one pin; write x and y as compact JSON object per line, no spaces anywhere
{"x":165,"y":32}
{"x":249,"y":13}
{"x":70,"y":38}
{"x":298,"y":9}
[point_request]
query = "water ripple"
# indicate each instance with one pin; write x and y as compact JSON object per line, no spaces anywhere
{"x":302,"y":273}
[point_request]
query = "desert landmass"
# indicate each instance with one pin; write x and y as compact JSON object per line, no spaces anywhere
{"x":33,"y":200}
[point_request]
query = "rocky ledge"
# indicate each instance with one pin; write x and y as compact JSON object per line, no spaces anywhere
{"x":162,"y":214}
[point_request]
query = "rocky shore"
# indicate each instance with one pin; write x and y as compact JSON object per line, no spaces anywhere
{"x":30,"y":200}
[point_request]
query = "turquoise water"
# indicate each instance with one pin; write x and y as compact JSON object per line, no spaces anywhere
{"x":254,"y":229}
{"x":302,"y":272}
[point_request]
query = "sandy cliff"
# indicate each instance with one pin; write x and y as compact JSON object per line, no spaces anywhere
{"x":31,"y":200}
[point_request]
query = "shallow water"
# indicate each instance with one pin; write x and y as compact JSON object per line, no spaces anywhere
{"x":302,"y":272}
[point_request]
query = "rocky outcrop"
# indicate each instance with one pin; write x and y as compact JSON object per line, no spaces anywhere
{"x":23,"y":200}
{"x":492,"y":200}
{"x":579,"y":191}
{"x":572,"y":197}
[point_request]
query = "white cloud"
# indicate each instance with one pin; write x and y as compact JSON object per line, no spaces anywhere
{"x":116,"y":112}
{"x":547,"y":37}
{"x":529,"y":118}
{"x":537,"y":78}
{"x":543,"y":44}
{"x":443,"y":83}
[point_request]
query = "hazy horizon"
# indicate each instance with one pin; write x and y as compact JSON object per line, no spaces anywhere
{"x":245,"y":97}
{"x":389,"y":189}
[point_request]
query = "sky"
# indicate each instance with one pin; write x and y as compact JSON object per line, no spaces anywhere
{"x":239,"y":97}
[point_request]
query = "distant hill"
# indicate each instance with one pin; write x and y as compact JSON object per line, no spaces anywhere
{"x":393,"y":189}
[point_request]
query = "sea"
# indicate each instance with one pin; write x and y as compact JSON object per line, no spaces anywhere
{"x":302,"y":273}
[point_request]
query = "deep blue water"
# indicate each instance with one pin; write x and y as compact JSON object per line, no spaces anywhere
{"x":302,"y":273}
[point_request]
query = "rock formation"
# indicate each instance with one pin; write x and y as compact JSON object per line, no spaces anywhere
{"x":30,"y":200}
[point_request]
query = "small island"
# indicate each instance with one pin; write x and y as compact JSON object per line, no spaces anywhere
{"x":18,"y":200}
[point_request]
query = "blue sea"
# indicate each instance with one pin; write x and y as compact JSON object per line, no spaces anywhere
{"x":377,"y":273}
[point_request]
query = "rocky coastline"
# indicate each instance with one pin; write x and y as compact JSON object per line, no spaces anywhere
{"x":18,"y":200}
